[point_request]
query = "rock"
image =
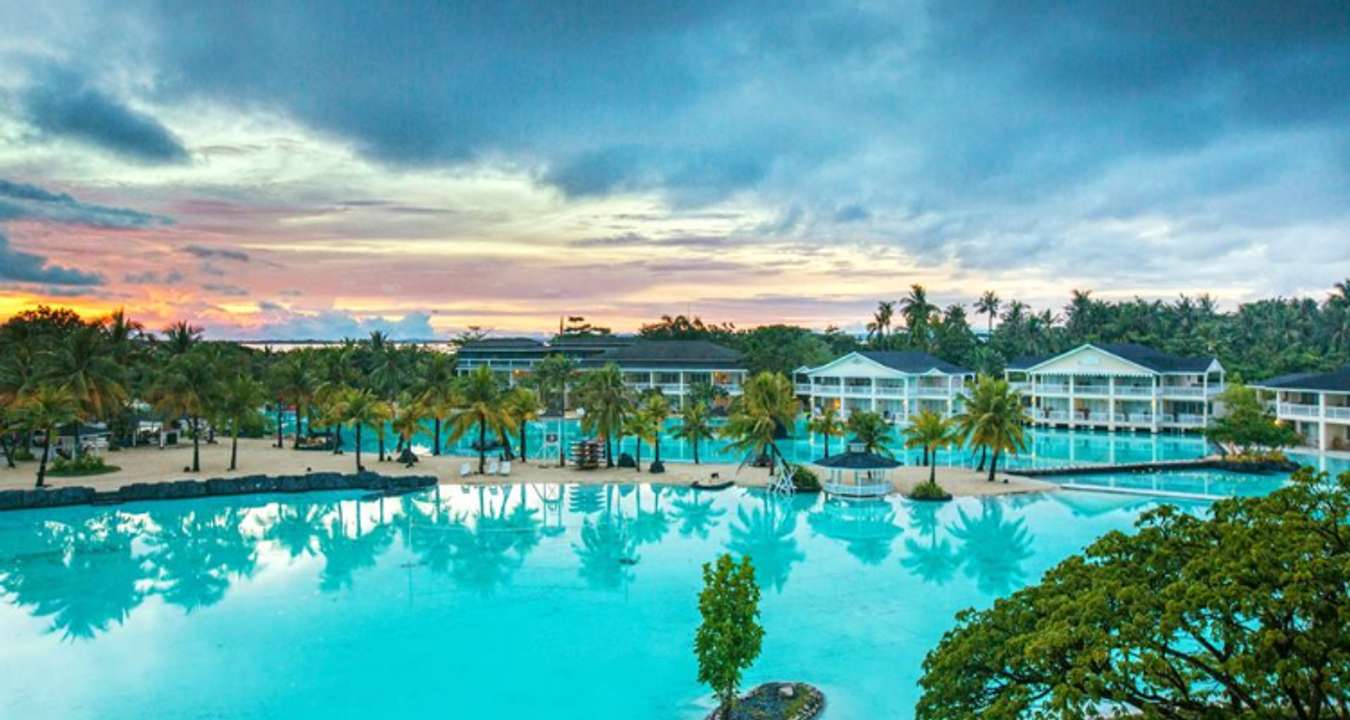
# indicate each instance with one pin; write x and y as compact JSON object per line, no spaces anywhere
{"x":786,"y":691}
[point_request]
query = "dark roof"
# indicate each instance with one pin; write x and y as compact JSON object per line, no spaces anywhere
{"x":1334,"y":381}
{"x":505,"y":343}
{"x":1157,"y":360}
{"x":1026,"y":362}
{"x":912,"y":361}
{"x":684,"y":353}
{"x":854,"y":460}
{"x":591,"y":339}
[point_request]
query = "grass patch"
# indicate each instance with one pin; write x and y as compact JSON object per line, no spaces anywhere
{"x":929,"y":491}
{"x":82,"y":466}
{"x":83,"y":472}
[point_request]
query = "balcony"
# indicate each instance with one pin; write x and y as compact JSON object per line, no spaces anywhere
{"x":1187,"y":392}
{"x":1134,"y":390}
{"x":1338,"y":412}
{"x":941,"y":393}
{"x":1298,"y":410}
{"x":803,"y":388}
{"x":1134,"y":418}
{"x":1051,"y":390}
{"x":1187,"y":420}
{"x":1053,"y":416}
{"x":671,"y":388}
{"x":1102,"y":390}
{"x":858,"y":390}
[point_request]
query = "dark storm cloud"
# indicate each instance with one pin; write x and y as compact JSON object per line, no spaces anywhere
{"x":206,"y":253}
{"x":20,"y":201}
{"x":61,"y":103}
{"x":19,"y":266}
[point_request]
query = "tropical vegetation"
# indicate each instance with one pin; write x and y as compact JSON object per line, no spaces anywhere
{"x":728,"y":641}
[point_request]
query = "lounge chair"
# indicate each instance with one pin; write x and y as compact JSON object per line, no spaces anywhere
{"x":493,"y":467}
{"x":465,"y":470}
{"x":505,"y":468}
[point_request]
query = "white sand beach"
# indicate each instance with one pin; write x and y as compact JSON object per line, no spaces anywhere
{"x":256,"y":456}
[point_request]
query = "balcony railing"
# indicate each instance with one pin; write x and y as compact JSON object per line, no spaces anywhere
{"x":1134,"y":418}
{"x":1135,"y":390}
{"x":1298,"y":410}
{"x":859,"y":390}
{"x":1187,"y":419}
{"x":1060,"y":416}
{"x":930,"y":392}
{"x":1092,"y":389}
{"x":1176,"y":391}
{"x":1052,"y":389}
{"x":1338,"y":412}
{"x":803,"y":388}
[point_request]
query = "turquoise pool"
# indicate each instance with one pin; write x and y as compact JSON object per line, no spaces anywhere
{"x":1045,"y":447}
{"x":507,"y":602}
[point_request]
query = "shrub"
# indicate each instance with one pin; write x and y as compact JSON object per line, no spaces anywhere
{"x":929,"y":491}
{"x":1239,"y":614}
{"x":805,"y":480}
{"x":86,"y":464}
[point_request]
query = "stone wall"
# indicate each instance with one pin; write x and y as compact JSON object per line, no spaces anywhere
{"x":181,"y":489}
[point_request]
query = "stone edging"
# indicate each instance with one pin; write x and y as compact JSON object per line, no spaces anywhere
{"x":1252,"y":468}
{"x":185,"y":489}
{"x":815,"y":703}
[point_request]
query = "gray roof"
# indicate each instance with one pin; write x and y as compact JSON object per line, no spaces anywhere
{"x":681,"y":353}
{"x":855,"y":460}
{"x":1155,"y":360}
{"x":1334,"y":381}
{"x":504,"y":343}
{"x":913,"y":362}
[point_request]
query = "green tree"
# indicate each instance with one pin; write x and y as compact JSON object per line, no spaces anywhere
{"x":1247,"y":424}
{"x":84,"y":365}
{"x":296,"y":382}
{"x":45,"y":410}
{"x":188,"y":389}
{"x":406,"y":418}
{"x":993,"y":419}
{"x":240,"y":398}
{"x":988,"y":304}
{"x":870,"y":430}
{"x":435,"y":388}
{"x":555,"y":374}
{"x":766,"y":404}
{"x":521,"y":404}
{"x":362,"y":409}
{"x":932,"y":432}
{"x":655,"y":408}
{"x":918,"y":313}
{"x":827,"y":424}
{"x":605,"y":399}
{"x":695,"y":424}
{"x":728,"y":641}
{"x":481,"y":396}
{"x":1236,"y":613}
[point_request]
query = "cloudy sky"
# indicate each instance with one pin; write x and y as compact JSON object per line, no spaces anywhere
{"x":319,"y":169}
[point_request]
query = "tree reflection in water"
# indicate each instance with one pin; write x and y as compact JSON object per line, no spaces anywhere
{"x":866,"y":526}
{"x":196,"y":551}
{"x":586,"y":499}
{"x":83,"y":575}
{"x":607,"y":552}
{"x":298,"y":529}
{"x":696,"y":512}
{"x":649,"y":526}
{"x":993,"y":547}
{"x":767,"y":534}
{"x":348,"y":545}
{"x":933,"y":561}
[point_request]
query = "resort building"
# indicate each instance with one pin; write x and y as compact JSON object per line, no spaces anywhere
{"x":672,"y":366}
{"x":1118,"y":386}
{"x":1316,"y":404}
{"x":895,"y":384}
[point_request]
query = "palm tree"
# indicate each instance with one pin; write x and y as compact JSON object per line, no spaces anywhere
{"x":695,"y":424}
{"x":767,"y":403}
{"x":555,"y":373}
{"x":83,"y":365}
{"x":522,"y":405}
{"x":481,"y":398}
{"x":606,"y":401}
{"x":336,"y":372}
{"x":931,"y":432}
{"x":44,"y":410}
{"x":330,"y":403}
{"x":880,"y":324}
{"x":436,"y":390}
{"x":296,"y":382}
{"x":180,"y":337}
{"x":187,"y":389}
{"x":994,"y":419}
{"x":988,"y":304}
{"x":918,"y":313}
{"x":828,"y":424}
{"x":642,"y":427}
{"x":870,"y":430}
{"x":656,"y":409}
{"x":240,"y":398}
{"x":361,"y":408}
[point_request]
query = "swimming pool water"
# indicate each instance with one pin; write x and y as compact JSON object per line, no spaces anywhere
{"x":509,"y":602}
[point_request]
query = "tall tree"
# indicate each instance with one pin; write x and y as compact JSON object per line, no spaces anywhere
{"x":481,"y":396}
{"x":188,"y":389}
{"x":993,"y":418}
{"x":363,"y":409}
{"x":606,"y":402}
{"x":766,"y":405}
{"x":827,"y":424}
{"x":870,"y":430}
{"x":435,"y":387}
{"x":45,"y":410}
{"x":918,"y":314}
{"x":932,"y":432}
{"x":695,"y":424}
{"x":988,"y":305}
{"x":84,"y":365}
{"x":522,"y":406}
{"x":240,"y":398}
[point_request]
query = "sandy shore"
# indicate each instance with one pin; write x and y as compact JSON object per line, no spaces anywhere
{"x":148,"y":464}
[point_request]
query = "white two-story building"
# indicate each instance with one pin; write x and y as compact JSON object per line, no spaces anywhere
{"x":895,"y":384}
{"x":1118,"y":386}
{"x":1316,"y":404}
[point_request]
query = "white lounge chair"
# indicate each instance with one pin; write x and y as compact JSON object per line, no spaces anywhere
{"x":506,"y":468}
{"x":493,"y":467}
{"x":465,"y":469}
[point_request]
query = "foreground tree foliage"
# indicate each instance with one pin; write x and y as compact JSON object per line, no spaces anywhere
{"x":1248,"y":424}
{"x":1241,"y":614}
{"x":729,"y":639}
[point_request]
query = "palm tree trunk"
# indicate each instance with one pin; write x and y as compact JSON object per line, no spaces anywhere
{"x":296,"y":445}
{"x":436,"y":446}
{"x":932,"y":474}
{"x":522,"y":441}
{"x":695,"y":449}
{"x":74,"y":454}
{"x":234,"y":445}
{"x":637,"y":463}
{"x":5,"y":447}
{"x":482,"y":446}
{"x":337,"y":439}
{"x":42,"y":466}
{"x":656,"y":456}
{"x":984,"y":456}
{"x":827,"y":444}
{"x":379,"y":433}
{"x":993,"y":463}
{"x":358,"y":447}
{"x":196,"y":437}
{"x":609,"y":454}
{"x":505,"y":440}
{"x":281,"y":442}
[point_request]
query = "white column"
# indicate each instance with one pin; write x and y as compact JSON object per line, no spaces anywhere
{"x":1204,"y":399}
{"x":1073,"y":411}
{"x":1322,"y":439}
{"x":1111,"y":409}
{"x":1155,"y":404}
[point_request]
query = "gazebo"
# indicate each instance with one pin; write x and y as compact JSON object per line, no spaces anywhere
{"x":857,"y":473}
